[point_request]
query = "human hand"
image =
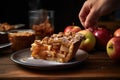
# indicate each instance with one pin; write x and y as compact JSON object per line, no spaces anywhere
{"x":92,"y":10}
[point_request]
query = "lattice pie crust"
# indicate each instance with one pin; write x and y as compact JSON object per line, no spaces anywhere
{"x":58,"y":47}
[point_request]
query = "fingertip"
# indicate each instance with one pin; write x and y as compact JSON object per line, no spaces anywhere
{"x":87,"y":25}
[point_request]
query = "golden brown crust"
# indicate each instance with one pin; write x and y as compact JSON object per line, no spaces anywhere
{"x":58,"y":47}
{"x":21,"y":40}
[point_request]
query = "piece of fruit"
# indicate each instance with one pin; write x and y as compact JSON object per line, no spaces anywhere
{"x":72,"y":28}
{"x":102,"y":36}
{"x":117,"y":32}
{"x":89,"y":42}
{"x":113,"y":48}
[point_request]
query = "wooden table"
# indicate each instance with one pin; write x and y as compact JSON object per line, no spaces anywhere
{"x":97,"y":66}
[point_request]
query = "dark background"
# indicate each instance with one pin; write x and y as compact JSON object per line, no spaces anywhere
{"x":66,"y":11}
{"x":16,"y":11}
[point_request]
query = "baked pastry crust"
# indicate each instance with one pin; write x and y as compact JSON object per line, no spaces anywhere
{"x":21,"y":40}
{"x":58,"y":47}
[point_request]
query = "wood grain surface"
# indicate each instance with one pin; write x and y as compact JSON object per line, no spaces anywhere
{"x":96,"y":66}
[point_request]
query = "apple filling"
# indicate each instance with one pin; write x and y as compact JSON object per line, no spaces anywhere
{"x":58,"y":47}
{"x":6,"y":27}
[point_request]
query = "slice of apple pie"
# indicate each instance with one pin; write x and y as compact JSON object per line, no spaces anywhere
{"x":58,"y":47}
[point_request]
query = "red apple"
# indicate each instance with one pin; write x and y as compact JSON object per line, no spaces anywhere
{"x":102,"y":35}
{"x":89,"y":42}
{"x":117,"y":32}
{"x":72,"y":28}
{"x":113,"y":48}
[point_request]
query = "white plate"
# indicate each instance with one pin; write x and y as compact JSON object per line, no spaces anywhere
{"x":5,"y":45}
{"x":23,"y":57}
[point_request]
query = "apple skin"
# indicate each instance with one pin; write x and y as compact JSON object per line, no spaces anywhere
{"x":102,"y":36}
{"x":117,"y":32}
{"x":89,"y":42}
{"x":113,"y":48}
{"x":72,"y":29}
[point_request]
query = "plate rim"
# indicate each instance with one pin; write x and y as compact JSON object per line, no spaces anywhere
{"x":5,"y":45}
{"x":45,"y":67}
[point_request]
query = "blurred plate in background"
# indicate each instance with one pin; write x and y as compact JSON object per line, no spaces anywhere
{"x":5,"y":45}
